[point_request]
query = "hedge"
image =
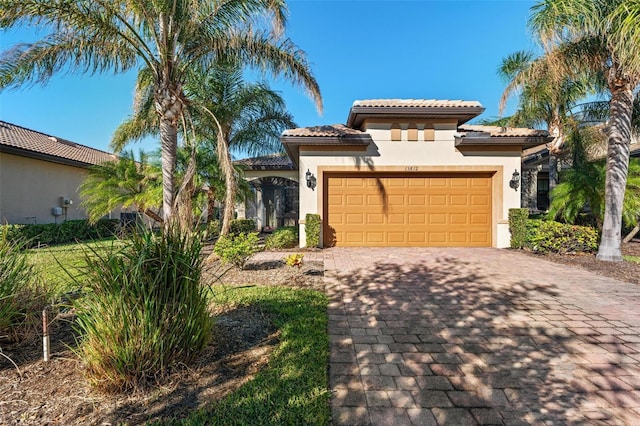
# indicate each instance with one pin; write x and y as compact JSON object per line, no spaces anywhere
{"x":518,"y":227}
{"x":282,"y":238}
{"x":312,"y":229}
{"x":66,"y":232}
{"x":242,"y":226}
{"x":555,"y":237}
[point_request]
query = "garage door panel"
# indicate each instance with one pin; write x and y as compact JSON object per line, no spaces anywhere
{"x":397,"y":238}
{"x":479,"y":237}
{"x":437,"y":218}
{"x":396,"y":219}
{"x":438,"y":200}
{"x":416,"y":237}
{"x":458,"y":218}
{"x":409,"y":210}
{"x":396,"y":200}
{"x":374,"y":200}
{"x":417,"y":219}
{"x":437,"y":237}
{"x":479,"y":219}
{"x":355,"y":200}
{"x":375,"y":218}
{"x":480,"y":200}
{"x":355,"y":219}
{"x":375,"y":237}
{"x":458,"y":238}
{"x":417,"y":200}
{"x":416,"y":182}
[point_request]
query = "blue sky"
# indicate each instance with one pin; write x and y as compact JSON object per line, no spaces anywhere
{"x":358,"y":49}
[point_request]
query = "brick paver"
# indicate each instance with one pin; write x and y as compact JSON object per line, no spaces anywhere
{"x":425,"y":336}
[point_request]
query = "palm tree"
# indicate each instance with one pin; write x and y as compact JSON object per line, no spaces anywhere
{"x":584,"y":184}
{"x":212,"y":181}
{"x":546,"y":99}
{"x":123,"y":183}
{"x":240,"y":115}
{"x":601,"y":38}
{"x":224,"y":112}
{"x":164,"y":39}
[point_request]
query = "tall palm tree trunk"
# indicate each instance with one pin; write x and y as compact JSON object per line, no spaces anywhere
{"x":621,"y":108}
{"x":169,"y":107}
{"x":230,"y":179}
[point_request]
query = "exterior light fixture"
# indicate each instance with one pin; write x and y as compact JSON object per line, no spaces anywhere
{"x":311,"y":180}
{"x":515,"y":180}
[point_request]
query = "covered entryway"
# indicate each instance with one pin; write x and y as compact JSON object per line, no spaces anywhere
{"x":422,"y":210}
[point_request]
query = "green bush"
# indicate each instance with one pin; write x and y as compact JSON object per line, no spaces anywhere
{"x":554,"y":237}
{"x":242,"y":226}
{"x":312,"y":229}
{"x":518,"y":227}
{"x":15,"y":276}
{"x":282,"y":238}
{"x":145,"y":309}
{"x":66,"y":232}
{"x":237,"y":249}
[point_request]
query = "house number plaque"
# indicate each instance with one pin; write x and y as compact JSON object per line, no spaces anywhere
{"x":411,"y":168}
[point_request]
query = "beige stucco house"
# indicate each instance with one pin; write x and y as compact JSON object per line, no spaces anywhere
{"x":409,"y":172}
{"x":40,"y":175}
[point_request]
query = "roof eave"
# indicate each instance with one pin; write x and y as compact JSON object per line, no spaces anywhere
{"x":45,"y":157}
{"x":486,"y":140}
{"x":357,"y":114}
{"x":292,"y":144}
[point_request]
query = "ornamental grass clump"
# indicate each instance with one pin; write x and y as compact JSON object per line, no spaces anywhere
{"x":145,"y":310}
{"x":15,"y":277}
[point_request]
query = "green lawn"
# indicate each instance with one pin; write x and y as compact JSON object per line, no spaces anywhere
{"x":293,"y":389}
{"x":54,"y":265}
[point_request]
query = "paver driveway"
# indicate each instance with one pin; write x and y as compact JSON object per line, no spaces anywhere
{"x":478,"y":336}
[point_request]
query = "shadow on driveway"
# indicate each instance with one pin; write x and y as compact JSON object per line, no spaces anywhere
{"x":449,"y":337}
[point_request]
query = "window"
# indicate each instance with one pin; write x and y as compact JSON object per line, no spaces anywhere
{"x":543,"y":192}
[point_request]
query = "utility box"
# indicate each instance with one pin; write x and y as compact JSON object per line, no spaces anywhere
{"x":56,"y":211}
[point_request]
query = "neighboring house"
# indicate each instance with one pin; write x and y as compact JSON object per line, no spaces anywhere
{"x":405,"y":173}
{"x":40,"y":175}
{"x":535,"y":174}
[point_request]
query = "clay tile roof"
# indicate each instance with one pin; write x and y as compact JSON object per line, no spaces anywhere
{"x":279,"y":161}
{"x":504,"y":132}
{"x":22,"y":141}
{"x":413,"y":103}
{"x":329,"y":131}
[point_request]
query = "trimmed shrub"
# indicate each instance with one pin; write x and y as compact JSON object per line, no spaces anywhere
{"x":242,"y":226}
{"x":554,"y":237}
{"x":518,"y":227}
{"x":282,"y":238}
{"x":145,"y":310}
{"x":237,"y":249}
{"x":312,"y":229}
{"x":66,"y":232}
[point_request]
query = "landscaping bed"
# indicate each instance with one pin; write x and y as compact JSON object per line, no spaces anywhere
{"x":627,"y":271}
{"x":243,"y":362}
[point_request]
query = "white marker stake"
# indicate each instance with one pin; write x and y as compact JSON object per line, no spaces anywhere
{"x":45,"y":334}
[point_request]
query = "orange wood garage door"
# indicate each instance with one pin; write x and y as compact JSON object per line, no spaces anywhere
{"x":408,"y":210}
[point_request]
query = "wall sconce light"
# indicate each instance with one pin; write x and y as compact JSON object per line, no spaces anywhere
{"x":311,"y":180}
{"x":515,"y":180}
